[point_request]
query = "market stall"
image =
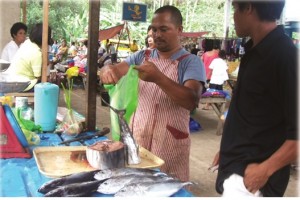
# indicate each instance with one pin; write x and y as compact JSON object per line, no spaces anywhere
{"x":22,"y":177}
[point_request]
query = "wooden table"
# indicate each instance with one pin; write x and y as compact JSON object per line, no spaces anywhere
{"x":232,"y":81}
{"x":29,"y":95}
{"x":218,"y":104}
{"x":21,"y":177}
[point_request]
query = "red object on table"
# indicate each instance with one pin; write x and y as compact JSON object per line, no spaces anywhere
{"x":10,"y":147}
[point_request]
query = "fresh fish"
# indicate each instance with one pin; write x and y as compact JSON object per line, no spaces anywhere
{"x":131,"y":147}
{"x":152,"y":189}
{"x":114,"y":184}
{"x":108,"y":173}
{"x":75,"y":189}
{"x":73,"y":178}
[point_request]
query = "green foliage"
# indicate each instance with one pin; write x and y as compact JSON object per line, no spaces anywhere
{"x":69,"y":19}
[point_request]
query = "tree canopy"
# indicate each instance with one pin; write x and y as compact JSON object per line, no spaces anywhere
{"x":69,"y":19}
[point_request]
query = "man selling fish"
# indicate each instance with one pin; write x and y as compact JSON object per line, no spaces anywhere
{"x":170,"y":86}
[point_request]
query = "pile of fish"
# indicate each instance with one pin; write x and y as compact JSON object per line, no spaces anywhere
{"x":120,"y":182}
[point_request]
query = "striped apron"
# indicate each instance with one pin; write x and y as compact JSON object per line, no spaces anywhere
{"x":162,"y":126}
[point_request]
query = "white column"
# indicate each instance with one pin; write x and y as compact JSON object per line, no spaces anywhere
{"x":227,"y":15}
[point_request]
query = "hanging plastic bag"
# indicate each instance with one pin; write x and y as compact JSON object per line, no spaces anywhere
{"x":123,"y":95}
{"x":69,"y":126}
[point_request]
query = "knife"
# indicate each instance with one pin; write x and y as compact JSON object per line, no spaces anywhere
{"x":104,"y":131}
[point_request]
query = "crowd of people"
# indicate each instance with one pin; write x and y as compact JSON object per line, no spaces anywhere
{"x":259,"y":140}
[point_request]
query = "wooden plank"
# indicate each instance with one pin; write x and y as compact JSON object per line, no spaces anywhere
{"x":212,"y":100}
{"x":20,"y":94}
{"x":29,"y":95}
{"x":92,"y":58}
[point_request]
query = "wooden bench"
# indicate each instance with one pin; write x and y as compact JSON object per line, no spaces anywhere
{"x":218,"y":104}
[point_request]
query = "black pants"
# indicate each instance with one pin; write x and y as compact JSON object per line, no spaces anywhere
{"x":215,"y":86}
{"x":113,"y":58}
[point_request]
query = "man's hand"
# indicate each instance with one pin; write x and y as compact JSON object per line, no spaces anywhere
{"x":255,"y":177}
{"x":149,"y":72}
{"x":109,"y":75}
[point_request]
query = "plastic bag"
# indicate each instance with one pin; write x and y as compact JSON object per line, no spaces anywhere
{"x":69,"y":126}
{"x":123,"y":95}
{"x":29,"y":128}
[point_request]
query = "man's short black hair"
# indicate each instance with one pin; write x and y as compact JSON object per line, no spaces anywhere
{"x":16,"y":27}
{"x":36,"y":34}
{"x":222,"y":54}
{"x":175,"y":13}
{"x":267,"y":10}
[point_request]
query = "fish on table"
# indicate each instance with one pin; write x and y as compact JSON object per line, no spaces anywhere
{"x":69,"y":179}
{"x":114,"y":184}
{"x":83,"y":189}
{"x":152,"y":189}
{"x":108,"y":173}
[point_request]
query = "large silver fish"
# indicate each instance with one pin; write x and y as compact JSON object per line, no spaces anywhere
{"x":109,"y":173}
{"x":152,"y":189}
{"x":84,"y":189}
{"x":114,"y":184}
{"x":131,"y":147}
{"x":65,"y":180}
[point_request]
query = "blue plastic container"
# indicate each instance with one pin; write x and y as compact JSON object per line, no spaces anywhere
{"x":46,"y":97}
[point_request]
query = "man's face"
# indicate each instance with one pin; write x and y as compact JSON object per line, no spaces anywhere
{"x":165,"y":33}
{"x":240,"y":22}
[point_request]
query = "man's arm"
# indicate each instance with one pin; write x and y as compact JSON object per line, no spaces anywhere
{"x":257,"y":174}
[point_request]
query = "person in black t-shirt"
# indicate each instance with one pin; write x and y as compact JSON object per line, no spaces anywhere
{"x":260,"y":138}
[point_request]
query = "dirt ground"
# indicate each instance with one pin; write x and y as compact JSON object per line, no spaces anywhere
{"x":205,"y":143}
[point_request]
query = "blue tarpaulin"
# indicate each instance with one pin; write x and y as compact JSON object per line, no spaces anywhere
{"x":21,"y":177}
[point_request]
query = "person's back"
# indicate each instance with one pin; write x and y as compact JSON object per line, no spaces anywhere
{"x":27,"y":63}
{"x":219,"y":71}
{"x":112,"y":49}
{"x":207,"y":58}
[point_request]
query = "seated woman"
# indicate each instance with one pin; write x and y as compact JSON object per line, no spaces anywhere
{"x":62,"y":53}
{"x":27,"y":63}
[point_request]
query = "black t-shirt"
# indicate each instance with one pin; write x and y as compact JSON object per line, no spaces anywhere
{"x":263,"y":110}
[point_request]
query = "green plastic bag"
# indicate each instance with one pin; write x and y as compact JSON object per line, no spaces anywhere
{"x":29,"y":128}
{"x":123,"y":95}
